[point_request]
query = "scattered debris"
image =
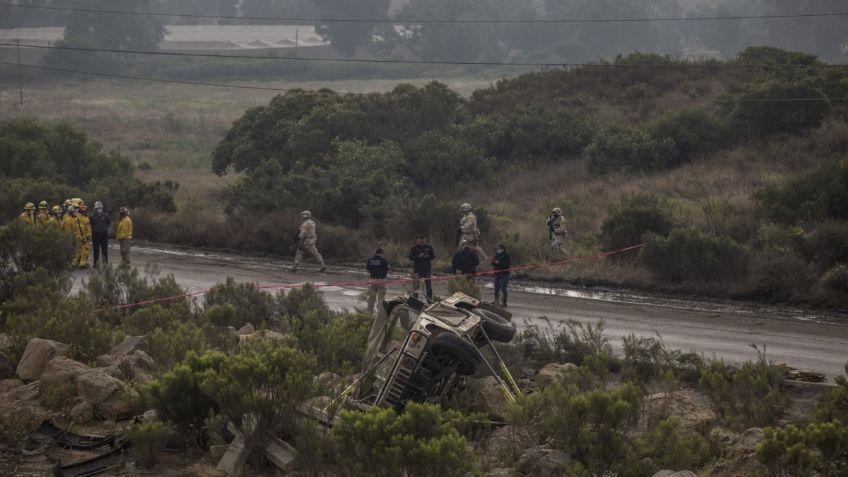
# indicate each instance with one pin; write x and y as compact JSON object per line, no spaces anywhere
{"x":805,"y":376}
{"x":49,"y":431}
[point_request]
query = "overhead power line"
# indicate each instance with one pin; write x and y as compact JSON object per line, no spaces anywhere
{"x":414,"y":62}
{"x":424,"y":21}
{"x":145,"y":78}
{"x":284,"y":90}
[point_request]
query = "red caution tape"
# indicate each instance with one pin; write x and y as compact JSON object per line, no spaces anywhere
{"x":391,"y":281}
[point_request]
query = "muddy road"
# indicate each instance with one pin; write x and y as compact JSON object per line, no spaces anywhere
{"x":804,"y":340}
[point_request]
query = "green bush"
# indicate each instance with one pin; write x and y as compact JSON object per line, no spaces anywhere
{"x":834,"y":406}
{"x":668,"y":448}
{"x":634,"y":216}
{"x":827,"y":244}
{"x":629,"y":151}
{"x":811,"y":197}
{"x":177,"y":395}
{"x":251,"y":304}
{"x":147,"y":439}
{"x":817,"y":449}
{"x":593,"y":427}
{"x":687,"y":254}
{"x":38,"y":313}
{"x":745,"y":396}
{"x":262,"y":380}
{"x":782,"y":277}
{"x":836,"y":278}
{"x":24,"y":249}
{"x":694,"y":133}
{"x":144,"y":320}
{"x":756,"y":112}
{"x":111,"y":286}
{"x":341,"y":342}
{"x":170,"y":344}
{"x":421,"y":441}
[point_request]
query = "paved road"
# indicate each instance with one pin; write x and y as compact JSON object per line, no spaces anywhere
{"x":720,"y":329}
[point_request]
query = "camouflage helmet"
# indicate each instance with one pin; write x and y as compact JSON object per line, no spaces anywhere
{"x":465,"y":207}
{"x":29,"y":206}
{"x":557,"y":211}
{"x":306,"y":214}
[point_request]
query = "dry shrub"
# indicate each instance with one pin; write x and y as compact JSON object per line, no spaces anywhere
{"x":16,"y":423}
{"x":782,"y":277}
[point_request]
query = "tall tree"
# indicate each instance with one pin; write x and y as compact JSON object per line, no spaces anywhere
{"x":114,"y":31}
{"x":346,"y":37}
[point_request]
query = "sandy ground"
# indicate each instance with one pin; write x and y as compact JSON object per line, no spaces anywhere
{"x":725,"y":330}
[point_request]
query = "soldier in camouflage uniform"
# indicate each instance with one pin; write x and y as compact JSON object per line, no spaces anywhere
{"x":469,"y":233}
{"x":307,"y":238}
{"x":556,"y":225}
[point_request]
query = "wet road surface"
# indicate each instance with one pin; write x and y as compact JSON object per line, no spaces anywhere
{"x":801,"y":339}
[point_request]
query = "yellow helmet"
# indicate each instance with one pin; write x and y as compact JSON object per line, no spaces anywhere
{"x":56,"y":209}
{"x":42,"y":204}
{"x":465,"y":207}
{"x":67,"y":202}
{"x":76,"y":201}
{"x":29,"y":206}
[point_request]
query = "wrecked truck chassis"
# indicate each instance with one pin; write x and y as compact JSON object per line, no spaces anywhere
{"x":438,"y":344}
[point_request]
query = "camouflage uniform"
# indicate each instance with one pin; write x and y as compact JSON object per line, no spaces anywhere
{"x":559,"y":234}
{"x":470,"y":234}
{"x":308,"y":238}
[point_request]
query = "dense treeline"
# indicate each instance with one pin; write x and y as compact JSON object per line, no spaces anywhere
{"x":54,"y":162}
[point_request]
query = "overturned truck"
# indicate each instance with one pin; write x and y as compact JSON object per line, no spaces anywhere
{"x":418,"y":351}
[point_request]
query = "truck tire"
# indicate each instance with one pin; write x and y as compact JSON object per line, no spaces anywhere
{"x":464,"y":352}
{"x":496,"y":327}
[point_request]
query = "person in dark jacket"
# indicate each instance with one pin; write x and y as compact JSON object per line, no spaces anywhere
{"x":422,"y":256}
{"x":378,"y":268}
{"x":100,"y":232}
{"x":465,"y":263}
{"x":501,"y":264}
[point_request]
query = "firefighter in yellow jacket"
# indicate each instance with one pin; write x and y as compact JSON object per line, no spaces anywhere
{"x":43,"y":215}
{"x":28,"y":216}
{"x":55,"y":217}
{"x":84,"y":225}
{"x":124,"y":235}
{"x":71,"y":225}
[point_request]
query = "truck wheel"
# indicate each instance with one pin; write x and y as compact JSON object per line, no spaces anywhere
{"x":456,"y":347}
{"x":496,"y":327}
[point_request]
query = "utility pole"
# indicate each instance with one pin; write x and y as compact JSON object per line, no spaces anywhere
{"x":20,"y":76}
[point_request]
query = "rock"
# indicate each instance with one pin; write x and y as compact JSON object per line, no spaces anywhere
{"x":693,"y":408}
{"x":104,"y":360}
{"x":98,"y":387}
{"x":329,"y":382}
{"x":749,"y":439}
{"x":506,"y":444}
{"x":542,"y":461}
{"x":82,"y":410}
{"x":9,"y":385}
{"x":136,"y":367}
{"x":151,"y":415}
{"x":37,"y":355}
{"x":130,"y":344}
{"x":489,"y":397}
{"x":550,"y":372}
{"x":247,"y":329}
{"x":5,"y":341}
{"x":671,"y":473}
{"x":503,"y":472}
{"x":109,"y":397}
